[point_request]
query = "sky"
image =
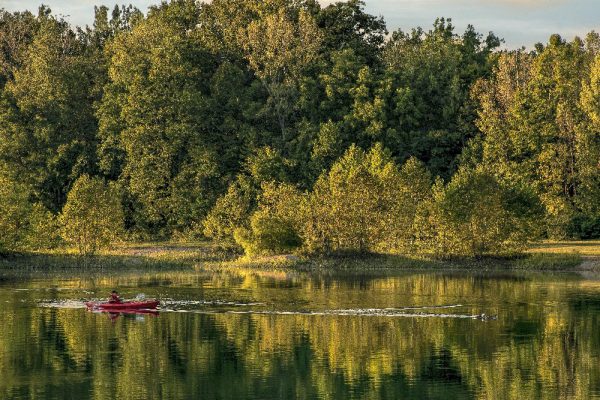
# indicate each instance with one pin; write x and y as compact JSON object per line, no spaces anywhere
{"x":519,"y":22}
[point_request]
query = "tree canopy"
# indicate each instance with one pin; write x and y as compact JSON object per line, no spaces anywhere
{"x":216,"y":119}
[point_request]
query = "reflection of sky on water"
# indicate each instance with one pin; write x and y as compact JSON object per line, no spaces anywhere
{"x":520,"y":22}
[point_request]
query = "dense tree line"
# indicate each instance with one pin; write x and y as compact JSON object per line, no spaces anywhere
{"x":286,"y":125}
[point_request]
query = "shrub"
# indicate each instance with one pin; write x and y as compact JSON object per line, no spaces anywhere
{"x":364,"y":203}
{"x":274,"y":226}
{"x":584,"y":226}
{"x":412,"y":189}
{"x":44,"y":229}
{"x":267,"y":165}
{"x":23,"y":224}
{"x":475,"y":215}
{"x":14,"y":211}
{"x":232,"y":210}
{"x":92,"y":218}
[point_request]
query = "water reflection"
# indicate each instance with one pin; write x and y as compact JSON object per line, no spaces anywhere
{"x":246,"y":335}
{"x":133,"y":314}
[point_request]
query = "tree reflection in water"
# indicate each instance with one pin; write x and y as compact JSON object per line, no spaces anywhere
{"x":250,"y":336}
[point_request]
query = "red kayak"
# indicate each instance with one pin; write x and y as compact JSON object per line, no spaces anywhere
{"x":126,"y":305}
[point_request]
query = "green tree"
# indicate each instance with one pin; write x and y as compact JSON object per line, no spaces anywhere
{"x":412,"y":189}
{"x":477,"y":215}
{"x":24,"y":225}
{"x":232,"y":210}
{"x":47,"y":123}
{"x":92,"y":218}
{"x":350,"y":206}
{"x":497,"y":98}
{"x":152,"y":126}
{"x":279,"y":48}
{"x":536,"y":129}
{"x":274,"y":227}
{"x":14,"y":209}
{"x":345,"y":25}
{"x":437,"y":69}
{"x":17,"y":31}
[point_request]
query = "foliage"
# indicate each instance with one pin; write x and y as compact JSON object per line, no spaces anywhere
{"x":24,"y":225}
{"x":278,"y":49}
{"x":232,"y":210}
{"x":477,"y":215}
{"x":47,"y":126}
{"x":92,"y":217}
{"x":583,"y":226}
{"x":150,"y":119}
{"x":266,"y":164}
{"x":353,"y":206}
{"x":537,"y":119}
{"x":413,"y":188}
{"x":17,"y":31}
{"x":345,"y":25}
{"x":436,"y":70}
{"x":192,"y":108}
{"x":274,"y":226}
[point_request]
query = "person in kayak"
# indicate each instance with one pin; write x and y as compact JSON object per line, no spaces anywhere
{"x":114,"y":297}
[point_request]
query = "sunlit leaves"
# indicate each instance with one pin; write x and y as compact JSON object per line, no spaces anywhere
{"x":152,"y":123}
{"x":23,"y":225}
{"x":477,"y":215}
{"x":274,"y":227}
{"x":92,"y":218}
{"x":536,"y":113}
{"x":279,"y":48}
{"x":47,"y":126}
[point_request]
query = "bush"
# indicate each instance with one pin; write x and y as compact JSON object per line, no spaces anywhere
{"x":275,"y":225}
{"x":267,"y":165}
{"x":364,"y":203}
{"x":232,"y":210}
{"x":476,"y":215}
{"x":584,"y":226}
{"x":44,"y":229}
{"x":14,"y":211}
{"x":92,"y":218}
{"x":412,"y":189}
{"x":23,"y":224}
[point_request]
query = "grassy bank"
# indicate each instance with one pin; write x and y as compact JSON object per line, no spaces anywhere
{"x":212,"y":256}
{"x":585,"y":248}
{"x":561,"y":256}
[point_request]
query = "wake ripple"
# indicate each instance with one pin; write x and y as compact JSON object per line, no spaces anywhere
{"x":176,"y":303}
{"x":62,"y":304}
{"x":354,"y":312}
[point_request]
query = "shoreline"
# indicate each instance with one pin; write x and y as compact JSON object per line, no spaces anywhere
{"x":213,"y":256}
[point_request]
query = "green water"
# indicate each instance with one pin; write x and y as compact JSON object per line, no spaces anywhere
{"x":280,"y":336}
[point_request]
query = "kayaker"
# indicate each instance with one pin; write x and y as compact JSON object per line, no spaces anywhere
{"x":114,"y":297}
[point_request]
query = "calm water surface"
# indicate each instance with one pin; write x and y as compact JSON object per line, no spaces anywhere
{"x":281,"y":336}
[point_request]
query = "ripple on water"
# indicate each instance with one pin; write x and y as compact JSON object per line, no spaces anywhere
{"x":184,"y":303}
{"x":182,"y":306}
{"x":62,"y":304}
{"x":405,"y":312}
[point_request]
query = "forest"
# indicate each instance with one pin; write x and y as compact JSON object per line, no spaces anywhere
{"x":286,"y":126}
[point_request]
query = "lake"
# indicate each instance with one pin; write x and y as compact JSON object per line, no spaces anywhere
{"x":277,"y":335}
